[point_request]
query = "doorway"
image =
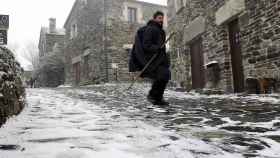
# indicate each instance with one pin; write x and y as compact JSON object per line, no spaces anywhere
{"x":197,"y":63}
{"x":77,"y":71}
{"x":236,"y":56}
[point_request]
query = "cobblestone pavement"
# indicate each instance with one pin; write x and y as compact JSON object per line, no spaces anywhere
{"x":107,"y":121}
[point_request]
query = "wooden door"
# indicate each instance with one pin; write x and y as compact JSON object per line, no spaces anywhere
{"x":77,"y":71}
{"x":197,"y":63}
{"x":86,"y":67}
{"x":236,"y":56}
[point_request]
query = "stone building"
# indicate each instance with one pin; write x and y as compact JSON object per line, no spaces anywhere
{"x":230,"y":45}
{"x":99,"y":34}
{"x":49,"y":75}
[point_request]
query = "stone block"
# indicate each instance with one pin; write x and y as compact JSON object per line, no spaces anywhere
{"x":77,"y":59}
{"x":195,"y":28}
{"x":230,"y":10}
{"x":127,"y":46}
{"x":252,"y":60}
{"x":87,"y":52}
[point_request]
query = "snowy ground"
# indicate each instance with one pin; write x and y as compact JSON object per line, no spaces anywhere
{"x":106,"y":121}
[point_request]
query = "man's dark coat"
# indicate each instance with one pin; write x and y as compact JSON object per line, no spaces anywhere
{"x":149,"y":41}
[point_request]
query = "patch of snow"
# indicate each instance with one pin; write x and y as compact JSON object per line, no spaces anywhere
{"x":183,"y":95}
{"x":268,"y":125}
{"x":229,"y":122}
{"x":273,"y":151}
{"x":57,"y":126}
{"x":210,"y":63}
{"x":65,"y":86}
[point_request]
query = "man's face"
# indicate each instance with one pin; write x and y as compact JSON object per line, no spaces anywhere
{"x":159,"y":19}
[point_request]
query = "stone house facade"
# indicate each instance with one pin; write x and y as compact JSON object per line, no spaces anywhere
{"x":50,"y":37}
{"x":230,"y":45}
{"x":99,"y":35}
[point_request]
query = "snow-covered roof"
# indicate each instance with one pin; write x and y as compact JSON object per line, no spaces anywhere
{"x":150,"y":4}
{"x":59,"y":31}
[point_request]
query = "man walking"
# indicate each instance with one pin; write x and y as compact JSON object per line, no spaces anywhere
{"x":150,"y":40}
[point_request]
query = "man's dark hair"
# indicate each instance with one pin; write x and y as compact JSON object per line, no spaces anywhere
{"x":158,"y":13}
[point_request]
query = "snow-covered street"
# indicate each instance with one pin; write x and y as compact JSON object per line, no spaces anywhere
{"x":105,"y":121}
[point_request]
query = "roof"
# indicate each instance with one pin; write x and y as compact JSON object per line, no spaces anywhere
{"x":71,"y":12}
{"x":137,"y":1}
{"x":151,"y":4}
{"x":59,"y":31}
{"x":46,"y":30}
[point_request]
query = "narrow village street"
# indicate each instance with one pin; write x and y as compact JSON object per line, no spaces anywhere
{"x":66,"y":67}
{"x":107,"y":121}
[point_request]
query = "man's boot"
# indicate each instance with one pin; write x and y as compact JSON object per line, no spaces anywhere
{"x":156,"y":93}
{"x":156,"y":101}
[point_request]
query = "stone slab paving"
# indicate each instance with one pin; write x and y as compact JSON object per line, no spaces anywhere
{"x":107,"y":121}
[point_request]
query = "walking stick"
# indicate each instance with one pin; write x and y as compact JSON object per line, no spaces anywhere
{"x":149,"y":63}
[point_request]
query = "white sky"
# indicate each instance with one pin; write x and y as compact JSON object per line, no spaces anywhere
{"x":27,"y":17}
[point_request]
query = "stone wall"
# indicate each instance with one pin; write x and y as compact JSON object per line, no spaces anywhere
{"x":89,"y":39}
{"x":261,"y":39}
{"x":51,"y":40}
{"x":121,"y":34}
{"x":206,"y":19}
{"x":12,"y":92}
{"x":99,"y":37}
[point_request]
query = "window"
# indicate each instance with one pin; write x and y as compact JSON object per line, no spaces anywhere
{"x":180,"y":4}
{"x":42,"y":50}
{"x":74,"y":31}
{"x":132,"y":15}
{"x":84,"y":2}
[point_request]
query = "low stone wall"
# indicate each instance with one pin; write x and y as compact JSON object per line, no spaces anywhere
{"x":12,"y":92}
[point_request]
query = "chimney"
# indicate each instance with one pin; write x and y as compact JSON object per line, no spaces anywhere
{"x":52,"y":25}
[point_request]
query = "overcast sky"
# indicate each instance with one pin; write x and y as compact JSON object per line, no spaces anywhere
{"x":27,"y":17}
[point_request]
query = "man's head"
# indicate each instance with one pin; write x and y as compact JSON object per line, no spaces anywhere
{"x":159,"y":17}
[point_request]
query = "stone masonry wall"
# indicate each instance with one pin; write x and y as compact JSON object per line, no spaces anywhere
{"x":51,"y":40}
{"x":92,"y":34}
{"x":90,"y":37}
{"x":122,"y":33}
{"x":259,"y":24}
{"x":261,"y":39}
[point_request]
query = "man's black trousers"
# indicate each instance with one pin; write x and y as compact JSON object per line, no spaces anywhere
{"x":160,"y":81}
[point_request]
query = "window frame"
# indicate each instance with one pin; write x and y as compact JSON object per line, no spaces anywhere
{"x":84,"y":2}
{"x":179,"y":4}
{"x":73,"y":31}
{"x":132,"y":14}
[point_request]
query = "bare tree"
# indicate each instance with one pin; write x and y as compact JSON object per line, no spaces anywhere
{"x":30,"y":52}
{"x":14,"y":47}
